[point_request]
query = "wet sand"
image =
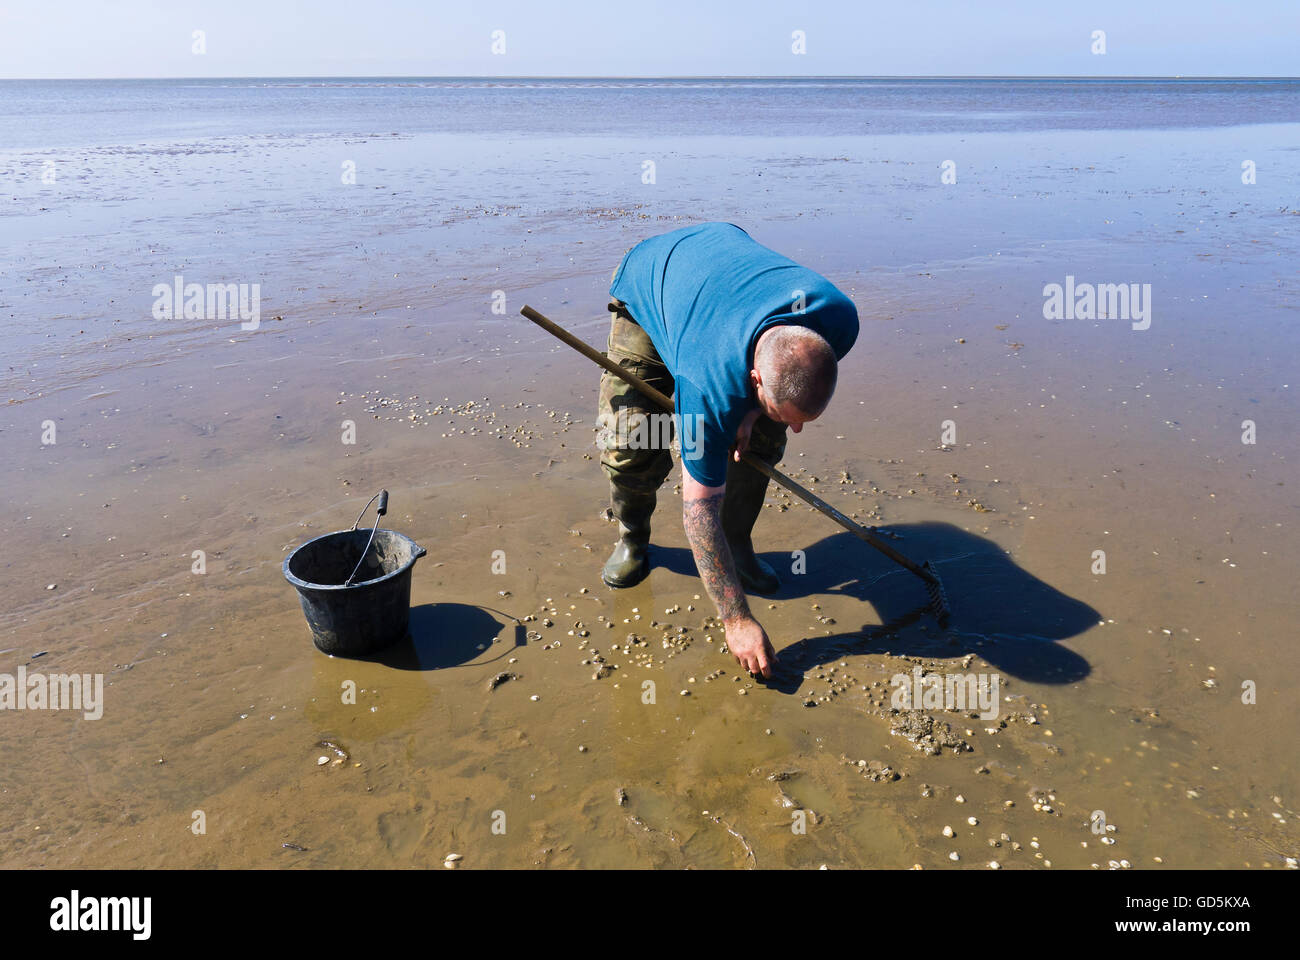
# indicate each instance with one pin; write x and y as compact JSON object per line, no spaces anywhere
{"x":1122,"y":691}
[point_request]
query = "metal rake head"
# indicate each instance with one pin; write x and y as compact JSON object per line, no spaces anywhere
{"x":938,"y":596}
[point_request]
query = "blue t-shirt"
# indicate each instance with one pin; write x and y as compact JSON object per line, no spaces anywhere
{"x":703,"y":294}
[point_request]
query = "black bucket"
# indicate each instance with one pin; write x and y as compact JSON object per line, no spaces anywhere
{"x":358,"y":619}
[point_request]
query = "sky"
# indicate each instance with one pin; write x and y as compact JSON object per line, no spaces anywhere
{"x":279,"y":38}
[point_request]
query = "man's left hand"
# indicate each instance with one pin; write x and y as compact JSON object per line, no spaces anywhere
{"x":743,"y":433}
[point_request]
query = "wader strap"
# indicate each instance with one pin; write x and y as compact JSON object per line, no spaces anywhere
{"x":620,"y":308}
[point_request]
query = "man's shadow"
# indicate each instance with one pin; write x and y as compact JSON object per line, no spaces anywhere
{"x":999,"y":611}
{"x":440,"y":635}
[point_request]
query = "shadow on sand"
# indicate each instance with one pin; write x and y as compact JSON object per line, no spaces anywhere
{"x":443,"y":635}
{"x":1000,"y":612}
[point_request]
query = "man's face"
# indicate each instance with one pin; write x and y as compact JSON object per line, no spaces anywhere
{"x":788,"y":414}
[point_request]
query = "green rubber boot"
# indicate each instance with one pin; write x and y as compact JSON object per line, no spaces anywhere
{"x":741,"y":505}
{"x":628,"y":565}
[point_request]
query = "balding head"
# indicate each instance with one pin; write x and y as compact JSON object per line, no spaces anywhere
{"x":796,"y":370}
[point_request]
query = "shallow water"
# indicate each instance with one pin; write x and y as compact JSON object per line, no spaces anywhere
{"x":1071,"y":437}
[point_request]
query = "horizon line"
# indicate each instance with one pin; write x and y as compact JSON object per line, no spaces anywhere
{"x":688,"y":76}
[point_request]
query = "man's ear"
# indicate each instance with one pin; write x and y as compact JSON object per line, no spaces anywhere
{"x":756,"y":378}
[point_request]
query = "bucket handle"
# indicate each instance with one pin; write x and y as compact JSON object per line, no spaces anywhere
{"x":380,"y":510}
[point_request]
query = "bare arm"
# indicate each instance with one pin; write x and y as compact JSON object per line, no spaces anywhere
{"x":702,"y":518}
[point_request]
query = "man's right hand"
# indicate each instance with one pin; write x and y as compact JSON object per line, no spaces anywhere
{"x":702,"y":518}
{"x":748,"y":643}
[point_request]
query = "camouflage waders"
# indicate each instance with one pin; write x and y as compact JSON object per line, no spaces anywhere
{"x":637,"y":468}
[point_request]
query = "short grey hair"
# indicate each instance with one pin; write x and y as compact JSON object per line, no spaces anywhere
{"x":798,"y":367}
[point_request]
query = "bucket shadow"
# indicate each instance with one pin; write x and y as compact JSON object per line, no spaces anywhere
{"x":442,"y":635}
{"x":1000,"y":612}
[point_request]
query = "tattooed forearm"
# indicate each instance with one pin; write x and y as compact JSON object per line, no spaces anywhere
{"x":703,"y":521}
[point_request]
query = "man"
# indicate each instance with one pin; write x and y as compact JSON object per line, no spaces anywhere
{"x":748,"y":343}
